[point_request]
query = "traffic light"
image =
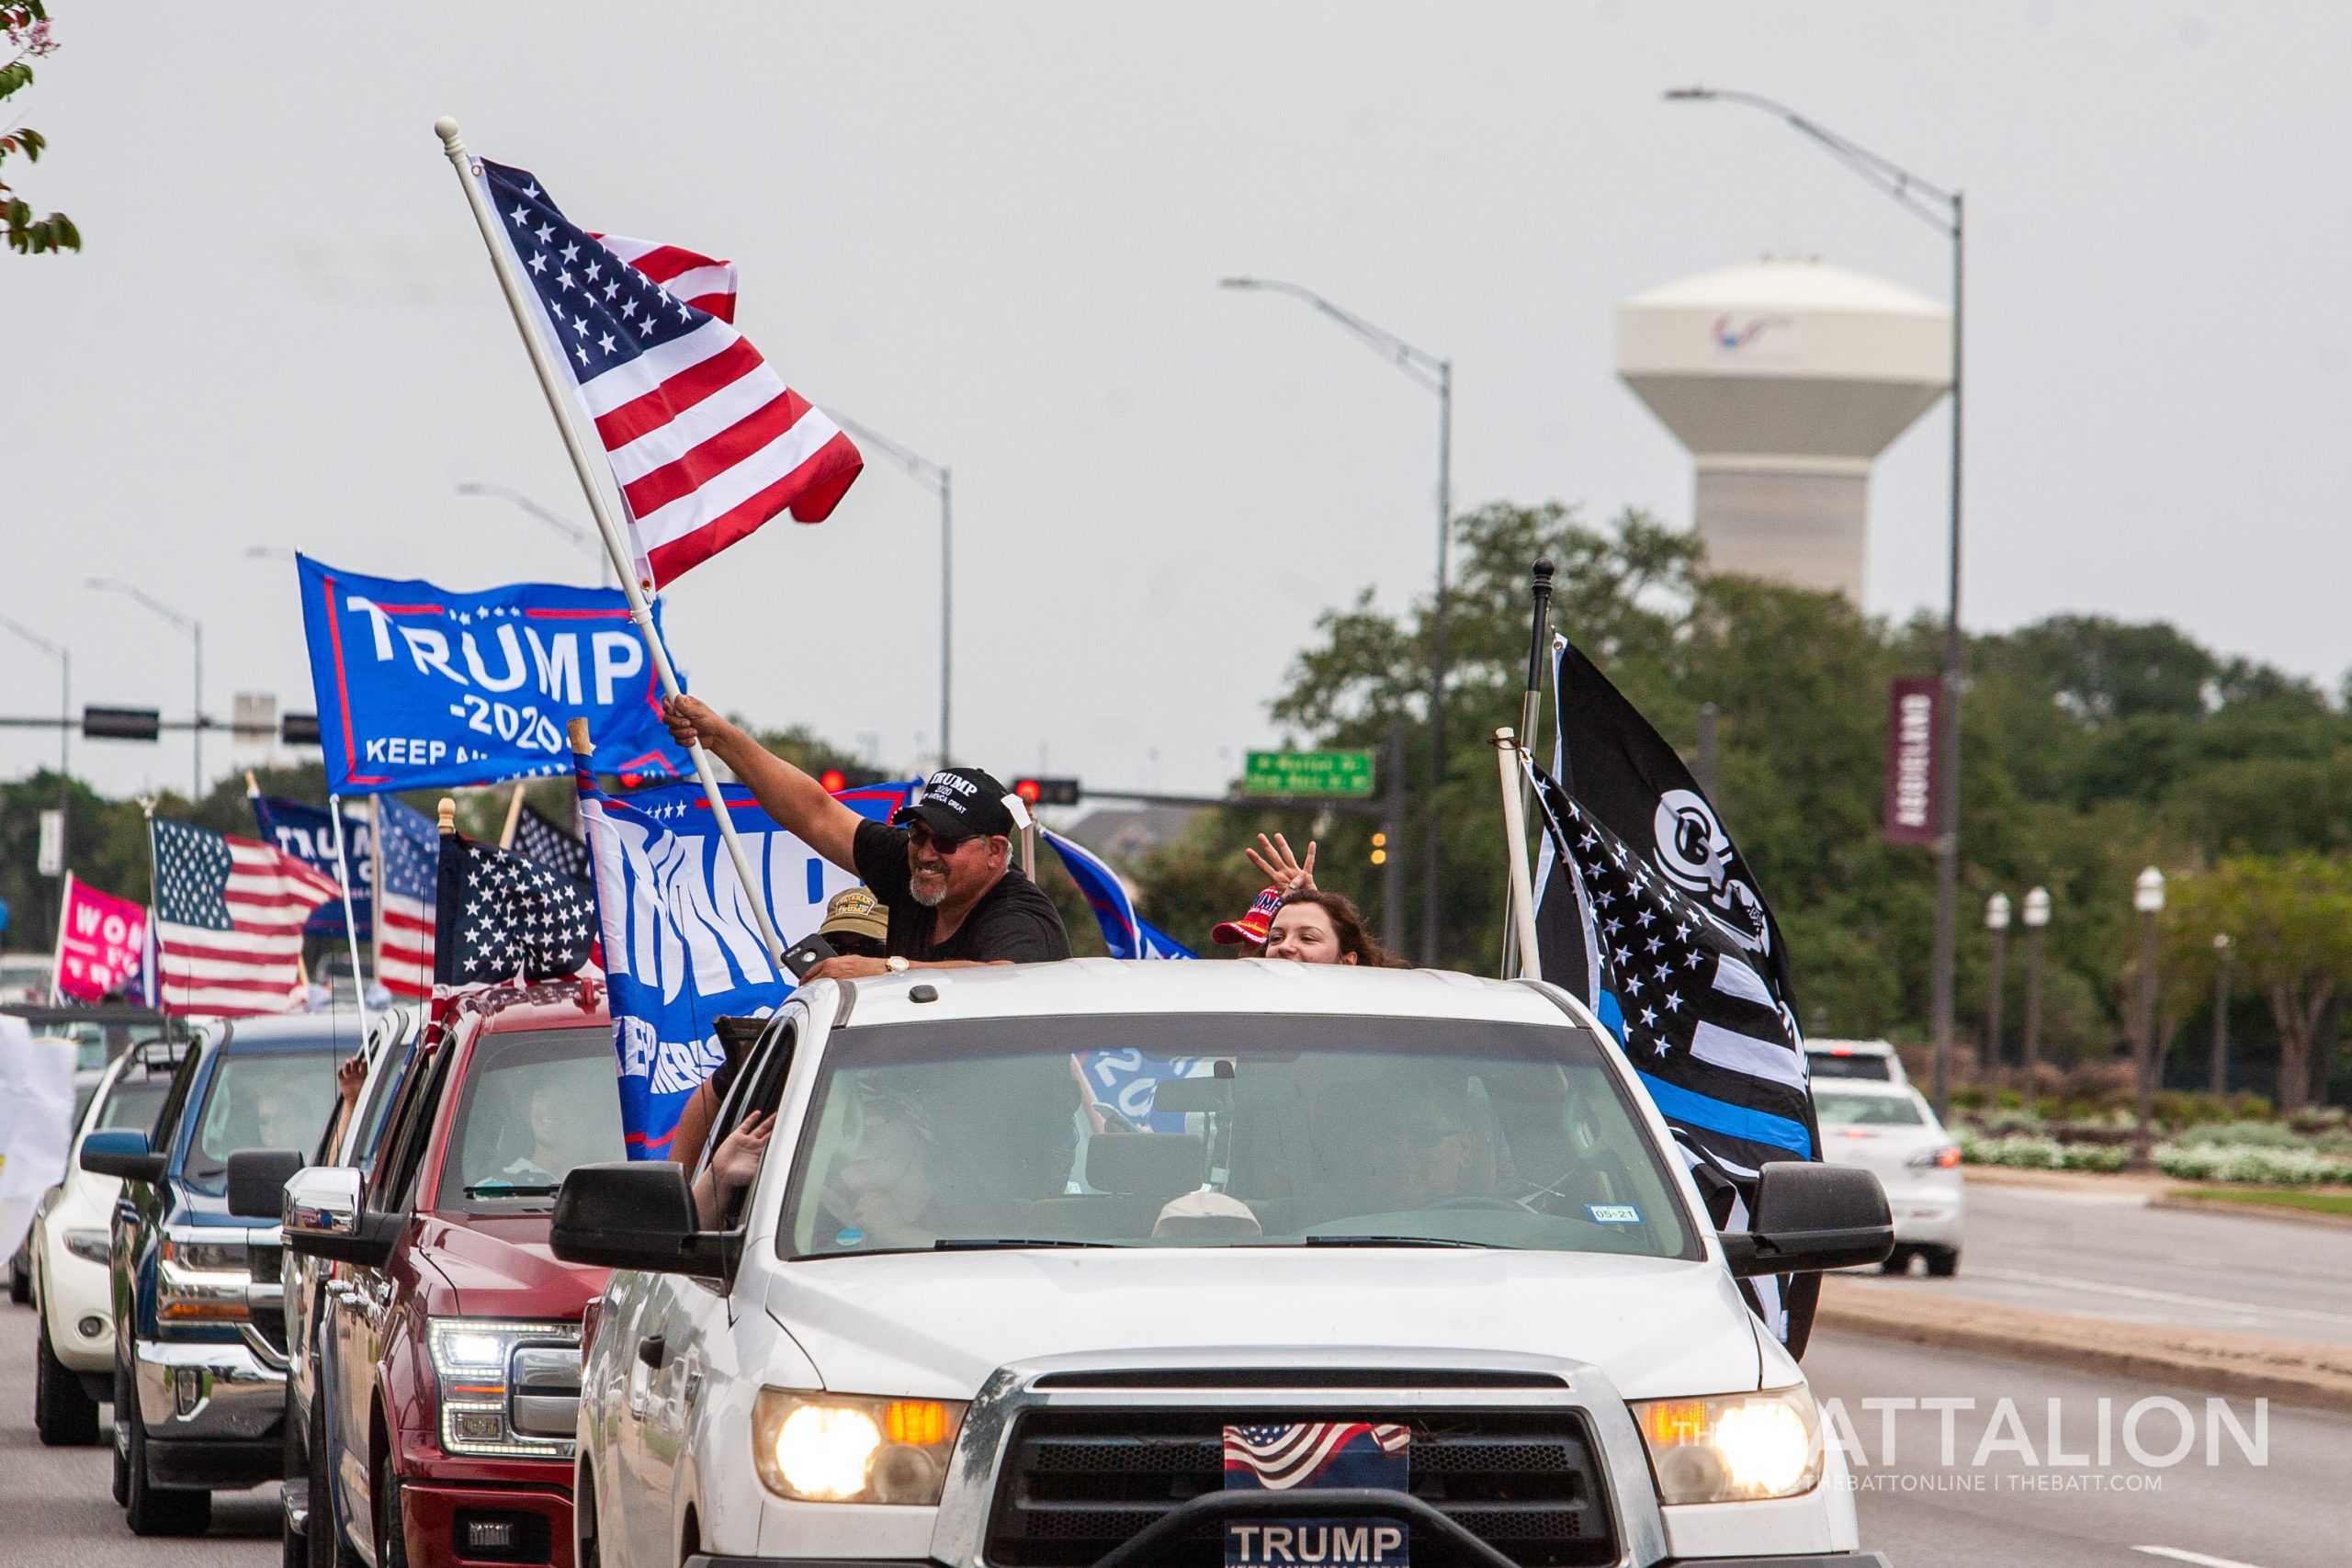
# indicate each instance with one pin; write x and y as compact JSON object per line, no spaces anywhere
{"x":1047,"y":791}
{"x":121,"y":723}
{"x":835,"y":780}
{"x":298,"y":728}
{"x":1380,"y":848}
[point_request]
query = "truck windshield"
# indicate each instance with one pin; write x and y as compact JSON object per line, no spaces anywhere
{"x":1189,"y":1129}
{"x":533,"y":1106}
{"x":275,"y":1099}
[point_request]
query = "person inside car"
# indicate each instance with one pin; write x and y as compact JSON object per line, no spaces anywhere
{"x":1316,"y":927}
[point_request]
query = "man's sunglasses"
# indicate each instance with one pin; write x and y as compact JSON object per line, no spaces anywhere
{"x":919,"y":832}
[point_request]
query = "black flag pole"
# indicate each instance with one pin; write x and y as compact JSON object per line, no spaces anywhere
{"x":1538,"y":643}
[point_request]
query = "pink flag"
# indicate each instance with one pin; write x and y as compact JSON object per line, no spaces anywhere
{"x":101,"y":939}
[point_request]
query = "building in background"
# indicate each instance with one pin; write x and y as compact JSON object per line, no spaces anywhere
{"x":1785,"y":379}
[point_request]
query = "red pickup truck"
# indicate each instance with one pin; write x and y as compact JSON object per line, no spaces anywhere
{"x":449,"y":1341}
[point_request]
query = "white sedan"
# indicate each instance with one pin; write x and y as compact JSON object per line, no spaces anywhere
{"x":72,"y":1287}
{"x":987,"y":1300}
{"x":1890,"y":1131}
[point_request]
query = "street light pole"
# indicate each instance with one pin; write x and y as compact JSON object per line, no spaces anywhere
{"x":195,"y":629}
{"x":1435,"y":373}
{"x":2037,"y":916}
{"x":942,"y":481}
{"x":2220,"y":1013}
{"x":583,"y":537}
{"x":65,"y":657}
{"x":2148,"y":898}
{"x":1947,"y":211}
{"x":1997,"y":920}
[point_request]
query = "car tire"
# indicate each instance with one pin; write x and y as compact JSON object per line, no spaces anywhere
{"x":391,"y":1540}
{"x":151,"y":1509}
{"x":20,"y":1284}
{"x":121,"y":1438}
{"x":1897,"y":1262}
{"x":64,"y":1413}
{"x":1943,"y":1262}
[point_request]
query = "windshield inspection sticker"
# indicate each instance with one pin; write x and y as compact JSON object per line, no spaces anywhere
{"x":850,"y":1236}
{"x":1307,"y":1456}
{"x":1614,"y":1214}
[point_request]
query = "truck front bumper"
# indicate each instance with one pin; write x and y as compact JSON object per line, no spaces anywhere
{"x":453,"y":1525}
{"x":212,"y":1413}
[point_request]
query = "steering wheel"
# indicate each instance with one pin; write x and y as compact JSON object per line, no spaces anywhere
{"x":1481,"y":1200}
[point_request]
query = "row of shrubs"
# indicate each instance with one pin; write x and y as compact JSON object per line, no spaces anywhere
{"x":2186,"y":1160}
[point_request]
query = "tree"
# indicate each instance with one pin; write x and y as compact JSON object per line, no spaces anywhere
{"x":2289,"y":920}
{"x":26,"y":23}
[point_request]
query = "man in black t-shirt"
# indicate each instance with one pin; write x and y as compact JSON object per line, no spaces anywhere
{"x":944,"y":868}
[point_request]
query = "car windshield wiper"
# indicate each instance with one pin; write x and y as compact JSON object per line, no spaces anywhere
{"x":511,"y":1189}
{"x":1390,"y":1241}
{"x":983,"y":1243}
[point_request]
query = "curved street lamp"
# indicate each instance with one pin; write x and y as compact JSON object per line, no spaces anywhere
{"x":195,"y":629}
{"x":941,"y":482}
{"x":585,"y":537}
{"x":1946,"y":211}
{"x":1435,"y":373}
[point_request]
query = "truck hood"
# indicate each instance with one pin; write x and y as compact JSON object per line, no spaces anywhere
{"x":935,"y":1327}
{"x":500,"y":1266}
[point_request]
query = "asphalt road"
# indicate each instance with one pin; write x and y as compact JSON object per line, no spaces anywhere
{"x":2108,"y":1255}
{"x":2289,"y":1511}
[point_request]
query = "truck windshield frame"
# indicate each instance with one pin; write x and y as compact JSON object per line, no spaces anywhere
{"x":1297,"y":1130}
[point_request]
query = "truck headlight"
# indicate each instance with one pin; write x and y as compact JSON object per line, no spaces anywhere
{"x":201,"y":1281}
{"x":91,"y":1245}
{"x":823,"y":1447}
{"x":1735,"y":1448}
{"x":471,"y":1358}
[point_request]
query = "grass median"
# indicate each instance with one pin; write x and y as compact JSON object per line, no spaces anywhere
{"x":2337,"y":1204}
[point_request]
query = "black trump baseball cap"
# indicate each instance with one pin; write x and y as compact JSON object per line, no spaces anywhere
{"x":958,"y":803}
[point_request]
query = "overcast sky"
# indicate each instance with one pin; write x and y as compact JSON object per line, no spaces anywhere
{"x":992,"y":232}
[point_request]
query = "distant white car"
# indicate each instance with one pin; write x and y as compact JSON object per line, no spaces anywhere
{"x":71,"y":1235}
{"x":1890,"y":1130}
{"x":1034,"y":1250}
{"x":1872,"y":1061}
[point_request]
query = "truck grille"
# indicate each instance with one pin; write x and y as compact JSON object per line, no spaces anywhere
{"x":1078,"y":1483}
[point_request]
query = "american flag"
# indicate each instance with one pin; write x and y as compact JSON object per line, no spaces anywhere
{"x":707,"y":285}
{"x":1280,"y":1457}
{"x":228,"y":924}
{"x":706,"y":441}
{"x":540,"y":839}
{"x":505,"y":916}
{"x":410,"y":844}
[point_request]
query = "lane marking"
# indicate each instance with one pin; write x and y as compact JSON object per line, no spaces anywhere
{"x":2177,"y":1555}
{"x":2174,"y":1298}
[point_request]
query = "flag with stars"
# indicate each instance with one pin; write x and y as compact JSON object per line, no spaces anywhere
{"x":228,"y":926}
{"x":502,"y":918}
{"x":1648,"y":912}
{"x":409,"y":843}
{"x":706,"y":441}
{"x":544,"y":841}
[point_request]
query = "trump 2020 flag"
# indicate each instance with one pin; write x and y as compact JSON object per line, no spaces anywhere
{"x":706,"y":441}
{"x":307,"y":832}
{"x":1650,"y":915}
{"x":682,"y":945}
{"x":422,"y":686}
{"x":1124,"y":932}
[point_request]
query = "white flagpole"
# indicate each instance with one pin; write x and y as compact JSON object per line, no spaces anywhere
{"x":1523,"y":897}
{"x":57,"y":965}
{"x":615,"y":541}
{"x":375,"y":886}
{"x":350,"y":920}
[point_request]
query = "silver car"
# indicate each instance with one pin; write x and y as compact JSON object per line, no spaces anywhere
{"x":1890,"y":1131}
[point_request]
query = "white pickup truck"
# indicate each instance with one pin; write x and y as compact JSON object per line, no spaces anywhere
{"x":1097,"y":1264}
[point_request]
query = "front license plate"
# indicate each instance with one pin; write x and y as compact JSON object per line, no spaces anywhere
{"x":1309,"y":1456}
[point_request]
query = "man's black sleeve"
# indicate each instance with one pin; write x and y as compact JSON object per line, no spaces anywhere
{"x":1020,"y":931}
{"x":880,"y":852}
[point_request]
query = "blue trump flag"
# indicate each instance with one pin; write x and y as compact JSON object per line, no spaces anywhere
{"x":420,"y":686}
{"x":682,"y":946}
{"x":307,"y":832}
{"x":1127,"y":933}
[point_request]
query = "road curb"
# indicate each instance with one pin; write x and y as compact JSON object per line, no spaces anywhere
{"x":2241,"y":1365}
{"x":2252,"y":1211}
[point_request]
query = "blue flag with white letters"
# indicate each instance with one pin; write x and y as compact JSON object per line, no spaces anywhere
{"x":420,"y":686}
{"x":307,"y":832}
{"x":682,"y":945}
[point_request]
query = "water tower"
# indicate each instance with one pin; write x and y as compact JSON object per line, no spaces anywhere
{"x":1785,"y":379}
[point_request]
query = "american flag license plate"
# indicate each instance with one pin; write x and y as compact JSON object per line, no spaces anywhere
{"x":1317,"y":1456}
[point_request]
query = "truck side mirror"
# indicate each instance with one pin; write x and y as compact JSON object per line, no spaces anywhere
{"x":122,"y":1153}
{"x":635,"y":1214}
{"x":257,"y":1179}
{"x":1809,"y":1216}
{"x":324,"y":1218}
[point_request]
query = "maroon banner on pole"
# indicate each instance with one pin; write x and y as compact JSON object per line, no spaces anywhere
{"x":1913,"y":782}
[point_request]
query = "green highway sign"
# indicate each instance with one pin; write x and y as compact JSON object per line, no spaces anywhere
{"x":1343,"y":774}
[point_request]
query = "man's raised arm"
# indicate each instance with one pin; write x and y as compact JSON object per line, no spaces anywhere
{"x":786,"y":794}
